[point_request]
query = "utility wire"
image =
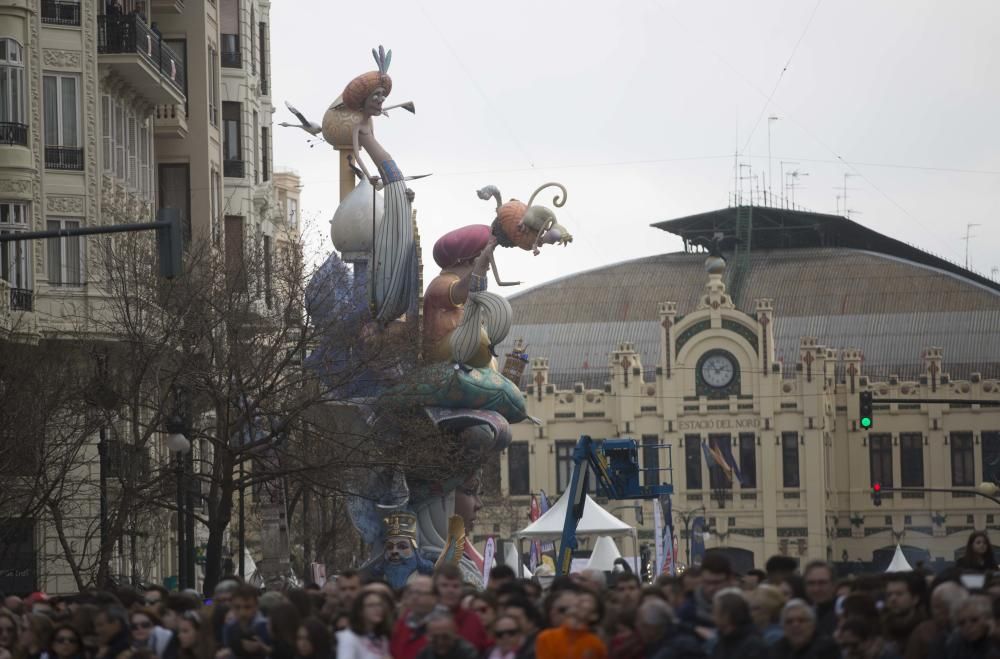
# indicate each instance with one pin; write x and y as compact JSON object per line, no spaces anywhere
{"x":781,"y":75}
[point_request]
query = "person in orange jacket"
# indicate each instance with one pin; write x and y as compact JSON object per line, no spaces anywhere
{"x":574,"y":639}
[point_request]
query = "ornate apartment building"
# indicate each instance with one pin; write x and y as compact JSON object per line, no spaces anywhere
{"x":761,"y":361}
{"x":110,"y":110}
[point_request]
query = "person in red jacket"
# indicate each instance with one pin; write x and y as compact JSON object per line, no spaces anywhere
{"x":409,"y":635}
{"x":448,"y":588}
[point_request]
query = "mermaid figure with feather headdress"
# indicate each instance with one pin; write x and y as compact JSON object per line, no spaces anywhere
{"x":392,"y":285}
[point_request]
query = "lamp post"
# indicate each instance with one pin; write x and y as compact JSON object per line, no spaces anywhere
{"x":179,"y":445}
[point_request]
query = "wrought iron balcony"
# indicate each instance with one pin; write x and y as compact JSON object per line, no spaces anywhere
{"x":234,"y":168}
{"x":61,"y":12}
{"x":22,"y":299}
{"x":129,"y":35}
{"x":63,"y":157}
{"x":13,"y":133}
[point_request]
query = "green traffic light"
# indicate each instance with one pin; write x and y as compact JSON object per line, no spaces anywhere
{"x":866,"y":422}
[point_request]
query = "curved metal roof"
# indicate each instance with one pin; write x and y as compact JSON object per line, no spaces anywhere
{"x":889,"y":307}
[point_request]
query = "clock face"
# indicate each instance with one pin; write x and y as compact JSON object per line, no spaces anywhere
{"x":718,"y":371}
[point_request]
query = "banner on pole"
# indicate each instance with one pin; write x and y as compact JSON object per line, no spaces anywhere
{"x":543,"y":507}
{"x":658,"y":537}
{"x":488,"y":553}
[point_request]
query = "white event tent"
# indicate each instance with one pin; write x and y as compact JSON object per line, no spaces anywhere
{"x":604,"y":555}
{"x":596,"y":521}
{"x":899,"y":562}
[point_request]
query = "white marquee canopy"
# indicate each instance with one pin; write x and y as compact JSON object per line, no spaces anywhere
{"x":596,"y":521}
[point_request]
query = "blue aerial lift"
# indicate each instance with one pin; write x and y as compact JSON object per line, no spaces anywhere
{"x":615,"y":465}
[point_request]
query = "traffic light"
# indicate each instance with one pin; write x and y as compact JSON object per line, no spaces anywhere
{"x":865,"y":407}
{"x":877,"y":494}
{"x":169,"y":243}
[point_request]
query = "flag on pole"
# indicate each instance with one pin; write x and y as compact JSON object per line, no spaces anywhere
{"x":697,"y":540}
{"x":658,"y":538}
{"x":714,"y":457}
{"x":535,"y":556}
{"x":543,"y":507}
{"x":668,"y":565}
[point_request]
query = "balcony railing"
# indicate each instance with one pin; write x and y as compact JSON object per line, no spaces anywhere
{"x":129,"y":34}
{"x":13,"y":133}
{"x":234,"y":168}
{"x":63,"y":157}
{"x":22,"y":299}
{"x":61,"y":12}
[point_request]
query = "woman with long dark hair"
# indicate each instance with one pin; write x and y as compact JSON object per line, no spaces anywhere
{"x":66,"y":643}
{"x":371,"y":627}
{"x":8,"y":633}
{"x":978,"y":553}
{"x":283,"y":624}
{"x":195,"y":636}
{"x":313,"y":640}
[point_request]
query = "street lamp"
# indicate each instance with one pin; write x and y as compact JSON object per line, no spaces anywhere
{"x":180,"y":445}
{"x":989,"y":489}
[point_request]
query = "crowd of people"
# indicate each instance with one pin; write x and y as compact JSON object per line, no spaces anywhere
{"x":707,"y":612}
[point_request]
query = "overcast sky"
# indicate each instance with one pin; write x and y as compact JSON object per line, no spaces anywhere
{"x":638,"y":107}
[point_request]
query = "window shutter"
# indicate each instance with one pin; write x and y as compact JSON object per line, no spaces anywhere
{"x":106,"y":134}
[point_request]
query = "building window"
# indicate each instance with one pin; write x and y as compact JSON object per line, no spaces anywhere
{"x":120,"y":143}
{"x":253,"y":42}
{"x":518,"y":469}
{"x":213,"y":86}
{"x":132,"y":149}
{"x":255,"y":136}
{"x":650,"y":460}
{"x":14,"y":256}
{"x":61,"y":12}
{"x":145,"y":159}
{"x":880,"y":459}
{"x":790,"y":459}
{"x":175,"y":192}
{"x":107,"y":134}
{"x":229,"y":32}
{"x":717,"y":479}
{"x":963,"y":460}
{"x":65,"y":255}
{"x":235,"y":271}
{"x":264,"y":150}
{"x":991,"y":456}
{"x":911,"y":459}
{"x":12,"y":121}
{"x":564,"y":464}
{"x":62,"y":121}
{"x":267,"y":271}
{"x":692,"y":461}
{"x":216,"y":199}
{"x":179,"y":48}
{"x":232,"y":136}
{"x":263,"y":58}
{"x":748,"y":460}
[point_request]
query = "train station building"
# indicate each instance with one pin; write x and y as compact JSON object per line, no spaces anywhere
{"x":750,"y":368}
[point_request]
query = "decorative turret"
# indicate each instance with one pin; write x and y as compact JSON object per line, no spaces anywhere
{"x":765,"y":316}
{"x":668,"y":316}
{"x":933,"y":358}
{"x":715,"y":296}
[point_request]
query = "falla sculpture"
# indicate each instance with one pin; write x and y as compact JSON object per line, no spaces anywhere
{"x":455,"y":381}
